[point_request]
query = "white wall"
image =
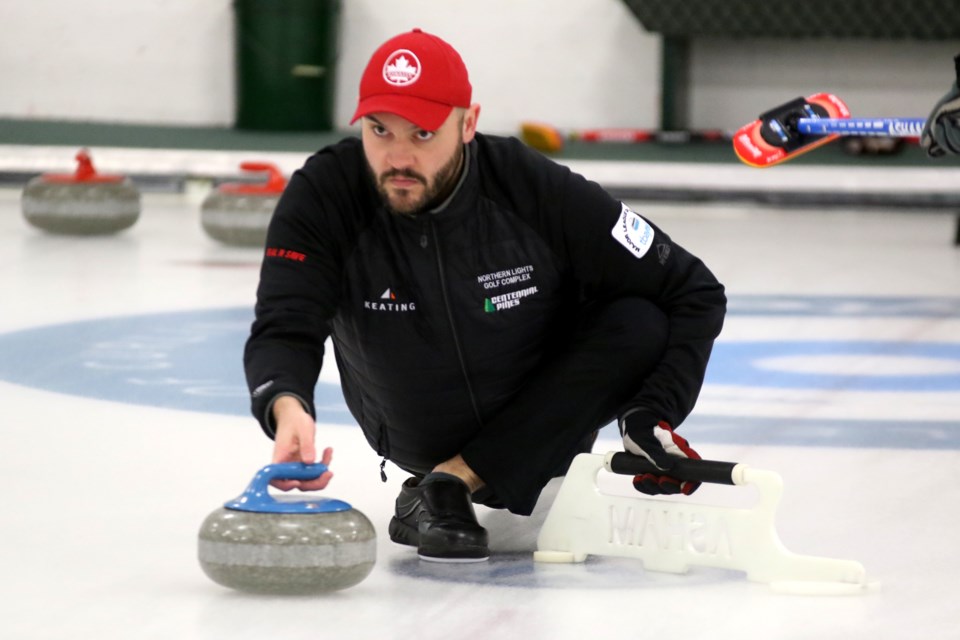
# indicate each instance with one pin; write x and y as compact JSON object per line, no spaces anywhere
{"x":126,"y":61}
{"x":572,"y":63}
{"x":575,"y":63}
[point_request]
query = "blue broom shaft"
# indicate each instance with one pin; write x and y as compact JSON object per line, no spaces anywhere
{"x":892,"y":127}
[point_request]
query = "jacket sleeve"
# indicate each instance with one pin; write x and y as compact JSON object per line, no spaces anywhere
{"x":296,"y":297}
{"x":614,"y":251}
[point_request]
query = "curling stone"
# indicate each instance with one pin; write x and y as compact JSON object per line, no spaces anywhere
{"x":286,"y":545}
{"x":871,"y":145}
{"x":82,"y":203}
{"x":239,"y":213}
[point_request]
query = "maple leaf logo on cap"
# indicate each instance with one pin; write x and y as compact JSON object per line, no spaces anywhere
{"x":402,"y":68}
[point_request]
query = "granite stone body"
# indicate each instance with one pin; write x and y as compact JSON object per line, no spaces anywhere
{"x":81,"y":208}
{"x":284,"y":553}
{"x":237,"y":218}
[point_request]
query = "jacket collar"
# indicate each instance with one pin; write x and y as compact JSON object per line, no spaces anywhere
{"x":468,"y":169}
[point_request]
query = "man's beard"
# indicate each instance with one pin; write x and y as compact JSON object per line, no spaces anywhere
{"x":434,"y":193}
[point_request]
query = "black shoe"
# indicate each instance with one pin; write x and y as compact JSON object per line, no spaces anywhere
{"x":436,"y":516}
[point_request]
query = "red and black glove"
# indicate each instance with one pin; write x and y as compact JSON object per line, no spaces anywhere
{"x":941,"y":132}
{"x":656,"y":442}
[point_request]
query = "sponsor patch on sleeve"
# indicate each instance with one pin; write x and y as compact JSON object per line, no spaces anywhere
{"x":277,"y":252}
{"x":633,"y":232}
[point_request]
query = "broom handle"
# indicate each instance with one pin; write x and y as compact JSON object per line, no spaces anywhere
{"x":892,"y":127}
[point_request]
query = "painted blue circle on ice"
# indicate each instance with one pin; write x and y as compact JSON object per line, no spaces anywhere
{"x":193,"y":361}
{"x":186,"y":360}
{"x":838,"y":365}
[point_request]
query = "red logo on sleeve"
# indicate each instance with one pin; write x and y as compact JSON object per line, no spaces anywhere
{"x":276,"y":252}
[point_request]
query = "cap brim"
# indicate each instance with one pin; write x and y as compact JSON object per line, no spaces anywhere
{"x":426,"y":114}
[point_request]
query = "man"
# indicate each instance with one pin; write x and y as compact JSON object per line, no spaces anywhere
{"x":941,"y":133}
{"x":489,"y":309}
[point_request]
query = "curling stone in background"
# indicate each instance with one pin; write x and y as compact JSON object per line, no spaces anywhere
{"x":239,"y":213}
{"x":284,"y":544}
{"x":81,"y":203}
{"x":872,"y":145}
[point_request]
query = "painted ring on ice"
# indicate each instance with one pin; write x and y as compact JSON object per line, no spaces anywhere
{"x":838,"y":365}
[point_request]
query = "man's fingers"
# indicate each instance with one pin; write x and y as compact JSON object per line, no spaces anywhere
{"x":689,"y":487}
{"x":300,"y":450}
{"x":308,"y":455}
{"x":656,"y":485}
{"x":285,"y":485}
{"x":317,"y":483}
{"x":285,"y":449}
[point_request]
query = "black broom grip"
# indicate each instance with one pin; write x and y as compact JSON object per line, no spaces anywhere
{"x":712,"y":471}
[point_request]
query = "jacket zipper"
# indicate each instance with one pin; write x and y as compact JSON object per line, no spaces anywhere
{"x":453,"y":327}
{"x":383,"y":448}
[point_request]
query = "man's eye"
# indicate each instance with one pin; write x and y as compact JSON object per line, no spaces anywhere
{"x":424,"y":135}
{"x":379,"y":130}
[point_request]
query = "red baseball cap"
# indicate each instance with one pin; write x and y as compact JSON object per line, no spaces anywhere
{"x":416,"y":76}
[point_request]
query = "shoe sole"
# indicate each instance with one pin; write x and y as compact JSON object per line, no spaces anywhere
{"x":402,"y":533}
{"x":457,"y":560}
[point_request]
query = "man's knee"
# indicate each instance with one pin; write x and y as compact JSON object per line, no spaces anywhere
{"x":635,"y":327}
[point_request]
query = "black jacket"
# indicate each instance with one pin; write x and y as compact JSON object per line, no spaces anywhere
{"x":438,"y":319}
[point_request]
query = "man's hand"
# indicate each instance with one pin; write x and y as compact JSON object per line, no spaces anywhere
{"x":660,"y":445}
{"x":941,"y":133}
{"x":294,"y":442}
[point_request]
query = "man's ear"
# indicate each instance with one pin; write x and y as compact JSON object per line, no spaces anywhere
{"x":470,"y":117}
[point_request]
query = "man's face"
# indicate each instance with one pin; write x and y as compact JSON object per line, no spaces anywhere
{"x":412,"y":168}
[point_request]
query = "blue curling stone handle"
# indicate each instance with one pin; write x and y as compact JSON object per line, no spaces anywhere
{"x":257,"y":499}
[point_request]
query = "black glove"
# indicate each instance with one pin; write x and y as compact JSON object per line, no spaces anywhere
{"x":655,"y":440}
{"x":941,"y":132}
